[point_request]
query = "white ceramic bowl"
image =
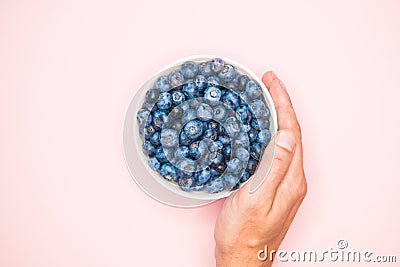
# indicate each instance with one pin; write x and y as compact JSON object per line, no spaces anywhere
{"x":149,"y":180}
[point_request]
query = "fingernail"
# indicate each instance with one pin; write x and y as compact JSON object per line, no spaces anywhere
{"x":273,"y":75}
{"x":286,"y":140}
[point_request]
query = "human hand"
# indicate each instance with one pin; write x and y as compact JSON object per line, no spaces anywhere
{"x":250,"y":219}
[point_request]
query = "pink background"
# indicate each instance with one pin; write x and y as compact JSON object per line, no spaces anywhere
{"x":68,"y":70}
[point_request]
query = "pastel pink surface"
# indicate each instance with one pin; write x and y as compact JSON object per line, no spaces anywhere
{"x":68,"y":70}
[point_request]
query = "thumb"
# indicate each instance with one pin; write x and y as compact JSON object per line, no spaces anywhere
{"x":274,"y":163}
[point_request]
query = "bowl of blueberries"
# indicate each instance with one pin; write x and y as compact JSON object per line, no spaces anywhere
{"x":200,"y":127}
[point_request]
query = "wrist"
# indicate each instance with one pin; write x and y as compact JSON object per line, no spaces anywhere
{"x":243,"y":258}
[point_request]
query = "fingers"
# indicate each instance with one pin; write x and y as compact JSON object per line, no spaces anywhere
{"x":286,"y":115}
{"x":267,"y":180}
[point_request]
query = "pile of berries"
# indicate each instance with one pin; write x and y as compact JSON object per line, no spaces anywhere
{"x":204,"y":126}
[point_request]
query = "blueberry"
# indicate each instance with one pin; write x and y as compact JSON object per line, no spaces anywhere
{"x":205,"y":68}
{"x":186,"y":183}
{"x":255,"y":150}
{"x":144,"y":117}
{"x":168,"y":171}
{"x":245,"y":176}
{"x":251,"y":166}
{"x":259,"y":109}
{"x":197,"y":149}
{"x":246,"y":127}
{"x":159,"y":117}
{"x":169,"y":138}
{"x":263,"y":122}
{"x":148,"y":148}
{"x":230,"y":180}
{"x":216,"y":146}
{"x":160,"y":155}
{"x":202,"y":176}
{"x":242,"y":154}
{"x":225,"y":140}
{"x":164,"y":101}
{"x":200,"y":82}
{"x":193,"y":129}
{"x":232,"y":126}
{"x":212,"y":80}
{"x":217,"y":65}
{"x":219,"y":112}
{"x":212,"y":94}
{"x":181,"y":152}
{"x":254,"y":124}
{"x":184,"y":139}
{"x":186,"y":165}
{"x":198,"y":187}
{"x":215,"y":186}
{"x":228,"y":73}
{"x":231,"y":99}
{"x":252,"y":134}
{"x":148,"y":131}
{"x":163,"y":84}
{"x":243,"y":113}
{"x":155,"y":138}
{"x":189,"y":115}
{"x":215,"y":158}
{"x":242,"y":81}
{"x":253,"y":89}
{"x":241,"y":140}
{"x":152,"y":95}
{"x":204,"y":112}
{"x":226,"y":152}
{"x":190,"y":90}
{"x":154,"y":163}
{"x":176,"y":78}
{"x":234,"y":165}
{"x":189,"y":69}
{"x":177,"y":98}
{"x":176,"y":113}
{"x":210,"y":134}
{"x":264,"y":136}
{"x":213,"y":125}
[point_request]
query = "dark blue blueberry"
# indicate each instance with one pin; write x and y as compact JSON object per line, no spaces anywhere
{"x":252,"y":166}
{"x":231,"y":99}
{"x":186,"y":183}
{"x":259,"y":109}
{"x":196,"y":150}
{"x":160,"y":155}
{"x":154,"y":163}
{"x":148,"y":148}
{"x":164,"y":101}
{"x":230,"y":180}
{"x":190,"y":90}
{"x":246,"y":127}
{"x":176,"y":78}
{"x":181,"y":152}
{"x":200,"y":82}
{"x":234,"y":165}
{"x":255,"y":150}
{"x":253,"y":89}
{"x":215,"y":186}
{"x":242,"y":81}
{"x":177,"y":98}
{"x":211,"y":134}
{"x":204,"y":112}
{"x":216,"y":146}
{"x":212,"y":80}
{"x":213,"y":125}
{"x":217,"y":65}
{"x":159,"y":117}
{"x":189,"y":69}
{"x":255,"y":125}
{"x":202,"y":176}
{"x":253,"y":135}
{"x":215,"y":158}
{"x":213,"y":94}
{"x":163,"y":84}
{"x":264,"y":136}
{"x":193,"y":129}
{"x":184,"y":139}
{"x":226,"y":152}
{"x":169,"y":138}
{"x":243,"y":113}
{"x":245,"y":176}
{"x":242,"y":154}
{"x":144,"y":117}
{"x":205,"y":68}
{"x":155,"y":138}
{"x":148,"y":131}
{"x":228,"y":73}
{"x":219,"y":112}
{"x":225,"y":140}
{"x":168,"y":171}
{"x":152,"y":95}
